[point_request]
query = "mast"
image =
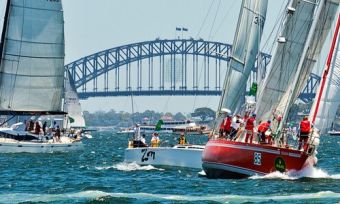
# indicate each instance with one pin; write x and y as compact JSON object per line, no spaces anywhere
{"x":327,"y":67}
{"x":288,"y":51}
{"x":4,"y":28}
{"x":293,"y":88}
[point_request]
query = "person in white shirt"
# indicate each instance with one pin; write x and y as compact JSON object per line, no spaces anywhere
{"x":235,"y":125}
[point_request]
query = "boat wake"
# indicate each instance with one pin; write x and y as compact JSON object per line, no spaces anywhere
{"x":95,"y":195}
{"x":124,"y":166}
{"x":309,"y":172}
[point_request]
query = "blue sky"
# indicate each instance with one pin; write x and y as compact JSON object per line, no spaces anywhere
{"x":93,"y":25}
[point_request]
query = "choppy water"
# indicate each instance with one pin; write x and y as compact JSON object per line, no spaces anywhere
{"x":99,"y":175}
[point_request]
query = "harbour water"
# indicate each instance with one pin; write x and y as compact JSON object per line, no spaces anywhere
{"x":98,"y":175}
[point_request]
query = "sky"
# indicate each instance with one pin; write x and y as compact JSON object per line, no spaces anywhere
{"x":95,"y":25}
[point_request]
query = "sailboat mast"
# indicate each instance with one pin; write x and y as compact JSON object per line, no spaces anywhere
{"x":293,"y":88}
{"x":4,"y":29}
{"x":327,"y":67}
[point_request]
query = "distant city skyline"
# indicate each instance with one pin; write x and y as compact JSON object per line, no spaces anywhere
{"x":91,"y":26}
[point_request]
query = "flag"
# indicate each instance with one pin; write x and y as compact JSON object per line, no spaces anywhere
{"x":178,"y":29}
{"x":159,"y":125}
{"x":253,"y":89}
{"x":71,"y":119}
{"x":185,"y":29}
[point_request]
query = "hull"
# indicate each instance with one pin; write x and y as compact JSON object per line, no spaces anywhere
{"x":189,"y":156}
{"x":13,"y":146}
{"x":229,"y":159}
{"x":334,"y":133}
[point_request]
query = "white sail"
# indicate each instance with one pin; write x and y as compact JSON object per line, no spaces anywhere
{"x":328,"y":10}
{"x":287,"y":55}
{"x":72,"y":105}
{"x":330,"y":99}
{"x":318,"y":33}
{"x":245,"y":49}
{"x":32,"y":61}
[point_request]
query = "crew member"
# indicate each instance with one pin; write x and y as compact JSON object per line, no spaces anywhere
{"x":235,"y":125}
{"x":305,"y":127}
{"x":222,"y":128}
{"x":155,"y":140}
{"x":250,"y":124}
{"x":263,"y":127}
{"x":142,"y":140}
{"x":227,"y":125}
{"x":37,"y":128}
{"x":182,"y":140}
{"x":57,"y":134}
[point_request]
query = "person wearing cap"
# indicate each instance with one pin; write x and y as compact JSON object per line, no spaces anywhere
{"x":235,"y":125}
{"x":250,"y":124}
{"x":182,"y":140}
{"x":305,"y":128}
{"x":262,"y":129}
{"x":155,"y":140}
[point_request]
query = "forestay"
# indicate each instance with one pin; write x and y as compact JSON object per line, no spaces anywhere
{"x":286,"y":56}
{"x":245,"y":49}
{"x":32,"y":63}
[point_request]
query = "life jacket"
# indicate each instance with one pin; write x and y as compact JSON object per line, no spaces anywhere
{"x":227,"y":124}
{"x":182,"y":141}
{"x":305,"y":126}
{"x":155,"y":142}
{"x":250,"y":123}
{"x":263,"y":127}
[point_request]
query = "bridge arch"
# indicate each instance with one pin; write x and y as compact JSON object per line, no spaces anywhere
{"x":140,"y":81}
{"x":89,"y":68}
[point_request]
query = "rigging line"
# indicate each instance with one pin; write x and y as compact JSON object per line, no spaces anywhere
{"x":202,"y":25}
{"x":224,"y":17}
{"x":213,"y":24}
{"x":205,"y":18}
{"x":210,"y":36}
{"x":277,"y":24}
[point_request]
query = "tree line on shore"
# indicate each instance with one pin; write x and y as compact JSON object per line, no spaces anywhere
{"x":125,"y":119}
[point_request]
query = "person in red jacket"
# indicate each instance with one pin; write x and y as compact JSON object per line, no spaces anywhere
{"x":263,"y":127}
{"x":250,"y":124}
{"x":305,"y":127}
{"x":225,"y":126}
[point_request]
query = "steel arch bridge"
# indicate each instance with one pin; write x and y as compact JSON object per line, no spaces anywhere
{"x":162,"y":67}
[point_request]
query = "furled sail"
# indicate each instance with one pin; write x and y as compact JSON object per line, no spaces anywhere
{"x":245,"y":49}
{"x":32,"y":61}
{"x":72,"y":105}
{"x":286,"y":56}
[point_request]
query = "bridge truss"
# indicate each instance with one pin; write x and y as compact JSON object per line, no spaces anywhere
{"x":161,"y":67}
